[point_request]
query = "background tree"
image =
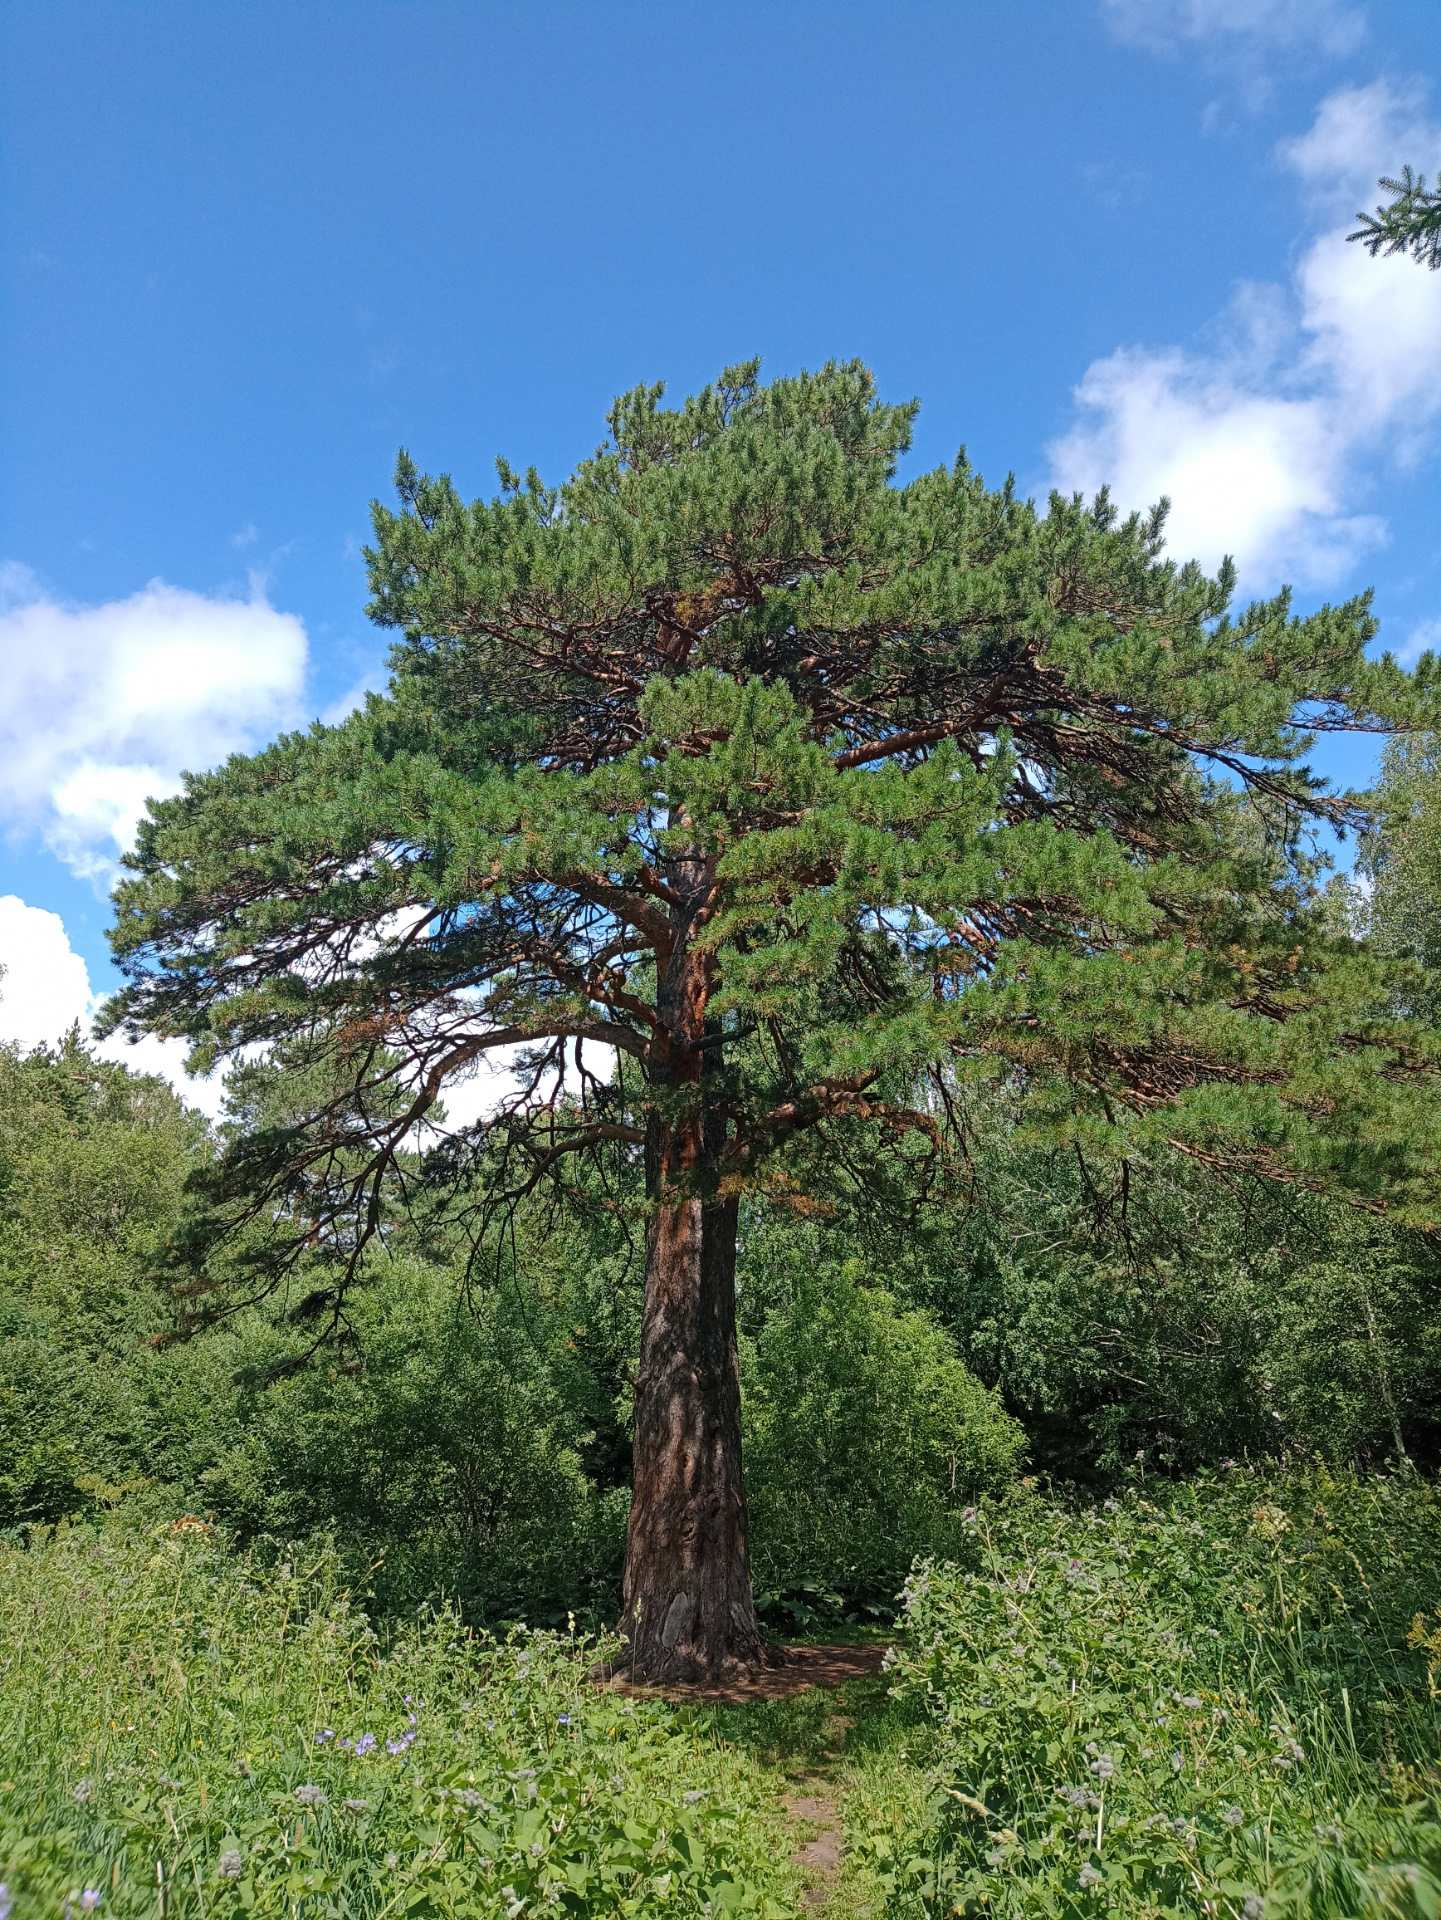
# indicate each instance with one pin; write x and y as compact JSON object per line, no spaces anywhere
{"x":800,"y":797}
{"x":1411,"y":223}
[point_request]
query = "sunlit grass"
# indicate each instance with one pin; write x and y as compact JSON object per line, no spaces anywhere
{"x":184,"y":1731}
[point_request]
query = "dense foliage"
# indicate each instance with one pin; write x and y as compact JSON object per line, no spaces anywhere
{"x":473,"y":1443}
{"x":1215,"y":1698}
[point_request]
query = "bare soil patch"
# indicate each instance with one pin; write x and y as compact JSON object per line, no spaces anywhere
{"x":804,"y":1667}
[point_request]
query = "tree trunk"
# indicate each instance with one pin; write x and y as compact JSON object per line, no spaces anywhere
{"x":689,"y":1612}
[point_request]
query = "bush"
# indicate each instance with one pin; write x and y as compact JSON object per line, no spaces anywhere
{"x":1219,"y":1700}
{"x":189,"y":1733}
{"x":446,"y":1464}
{"x":865,"y":1437}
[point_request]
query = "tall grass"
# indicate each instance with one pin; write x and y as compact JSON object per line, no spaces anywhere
{"x":187,"y":1732}
{"x":1219,"y":1699}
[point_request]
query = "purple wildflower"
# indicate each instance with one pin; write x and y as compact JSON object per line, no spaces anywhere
{"x":364,"y":1744}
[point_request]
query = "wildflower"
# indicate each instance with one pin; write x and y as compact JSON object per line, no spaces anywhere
{"x":1091,"y":1747}
{"x":326,"y":1733}
{"x":364,"y":1744}
{"x":564,"y":1720}
{"x":1177,"y":1761}
{"x":536,"y":1849}
{"x":470,"y":1798}
{"x":1234,"y":1817}
{"x":1178,"y":1825}
{"x":1090,"y":1876}
{"x":229,"y":1865}
{"x":1073,"y":1570}
{"x":357,"y":1806}
{"x":4,"y":1901}
{"x":242,"y":1767}
{"x":310,"y":1795}
{"x":1190,"y":1700}
{"x":392,"y":1861}
{"x":1253,"y":1906}
{"x":696,"y":1793}
{"x":1104,"y":1768}
{"x":83,"y":1790}
{"x":1112,"y":1506}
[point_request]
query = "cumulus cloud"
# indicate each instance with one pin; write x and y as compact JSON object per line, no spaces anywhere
{"x":45,"y":990}
{"x":1265,"y":439}
{"x":106,"y":705}
{"x":1164,"y":26}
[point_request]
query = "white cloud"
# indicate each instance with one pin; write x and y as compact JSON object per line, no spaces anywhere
{"x":105,"y":706}
{"x":1262,"y":440}
{"x":1425,"y":637}
{"x":1164,"y":26}
{"x":45,"y":990}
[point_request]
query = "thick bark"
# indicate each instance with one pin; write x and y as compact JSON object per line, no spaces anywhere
{"x":689,"y":1612}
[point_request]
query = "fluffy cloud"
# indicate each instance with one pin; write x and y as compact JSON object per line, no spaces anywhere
{"x":105,"y":706}
{"x":1163,"y":26}
{"x":45,"y":990}
{"x":1262,"y":441}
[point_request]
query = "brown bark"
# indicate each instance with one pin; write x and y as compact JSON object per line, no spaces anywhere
{"x":689,"y":1611}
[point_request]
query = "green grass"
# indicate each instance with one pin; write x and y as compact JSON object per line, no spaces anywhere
{"x":184,"y":1731}
{"x":1213,"y":1699}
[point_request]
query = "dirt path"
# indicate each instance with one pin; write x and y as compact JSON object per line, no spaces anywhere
{"x":806,"y":1790}
{"x":820,"y":1858}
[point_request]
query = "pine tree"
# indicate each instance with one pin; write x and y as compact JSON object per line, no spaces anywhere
{"x":800,"y":797}
{"x":1411,"y":223}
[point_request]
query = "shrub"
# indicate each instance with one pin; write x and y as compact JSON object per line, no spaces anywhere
{"x":1213,"y":1700}
{"x":865,"y":1437}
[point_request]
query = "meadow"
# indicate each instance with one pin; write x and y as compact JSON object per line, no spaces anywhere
{"x":1218,"y":1697}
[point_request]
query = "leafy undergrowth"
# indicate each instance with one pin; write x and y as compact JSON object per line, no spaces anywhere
{"x":187,"y":1732}
{"x":1220,"y":1699}
{"x":1215,"y":1699}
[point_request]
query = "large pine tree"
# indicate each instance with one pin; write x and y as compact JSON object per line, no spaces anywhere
{"x":762,"y":800}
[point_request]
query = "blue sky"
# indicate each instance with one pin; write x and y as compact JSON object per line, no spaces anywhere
{"x":249,"y":250}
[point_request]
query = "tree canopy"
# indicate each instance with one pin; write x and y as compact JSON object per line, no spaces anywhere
{"x":961,"y":780}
